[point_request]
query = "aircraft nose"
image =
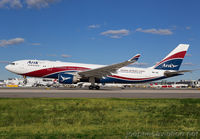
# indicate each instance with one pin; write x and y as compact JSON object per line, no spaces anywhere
{"x":8,"y":67}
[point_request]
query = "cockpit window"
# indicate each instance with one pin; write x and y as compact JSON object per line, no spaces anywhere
{"x":12,"y":63}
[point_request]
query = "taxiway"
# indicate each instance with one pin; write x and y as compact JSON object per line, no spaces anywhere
{"x":104,"y":93}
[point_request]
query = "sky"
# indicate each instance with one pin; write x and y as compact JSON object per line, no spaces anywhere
{"x":99,"y":31}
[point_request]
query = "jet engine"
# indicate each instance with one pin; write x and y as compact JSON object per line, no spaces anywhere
{"x":68,"y":78}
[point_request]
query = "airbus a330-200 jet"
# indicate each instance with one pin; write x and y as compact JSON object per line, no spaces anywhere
{"x":71,"y":73}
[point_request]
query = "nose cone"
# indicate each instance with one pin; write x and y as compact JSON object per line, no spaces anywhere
{"x":8,"y":67}
{"x":11,"y":68}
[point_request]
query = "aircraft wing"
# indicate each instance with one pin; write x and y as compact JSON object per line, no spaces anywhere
{"x":108,"y":70}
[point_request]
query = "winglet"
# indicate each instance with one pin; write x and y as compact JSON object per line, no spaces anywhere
{"x":135,"y":58}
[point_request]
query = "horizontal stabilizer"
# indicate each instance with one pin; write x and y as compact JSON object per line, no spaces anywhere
{"x":173,"y":73}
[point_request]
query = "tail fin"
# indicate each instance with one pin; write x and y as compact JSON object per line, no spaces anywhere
{"x":174,"y":59}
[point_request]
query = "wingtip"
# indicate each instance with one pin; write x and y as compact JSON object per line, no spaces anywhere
{"x":135,"y":58}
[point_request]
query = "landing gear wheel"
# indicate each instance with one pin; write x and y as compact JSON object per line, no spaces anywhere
{"x":97,"y":87}
{"x":91,"y":87}
{"x":25,"y":81}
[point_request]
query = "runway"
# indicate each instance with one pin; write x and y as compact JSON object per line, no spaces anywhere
{"x":104,"y":93}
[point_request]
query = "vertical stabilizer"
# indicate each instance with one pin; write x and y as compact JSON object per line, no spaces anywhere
{"x":174,"y":59}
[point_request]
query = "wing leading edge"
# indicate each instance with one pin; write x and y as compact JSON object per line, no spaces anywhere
{"x":108,"y":70}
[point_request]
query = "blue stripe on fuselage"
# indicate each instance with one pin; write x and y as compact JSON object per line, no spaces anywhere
{"x":55,"y":75}
{"x":112,"y":79}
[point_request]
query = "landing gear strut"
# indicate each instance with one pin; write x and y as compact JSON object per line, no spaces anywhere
{"x":93,"y":86}
{"x":25,"y":80}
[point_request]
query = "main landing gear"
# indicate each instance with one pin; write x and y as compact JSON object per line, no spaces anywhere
{"x":93,"y":86}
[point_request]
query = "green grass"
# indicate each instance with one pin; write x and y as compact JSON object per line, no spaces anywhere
{"x":99,"y":118}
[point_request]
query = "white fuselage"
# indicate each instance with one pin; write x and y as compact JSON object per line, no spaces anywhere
{"x":51,"y":69}
{"x":69,"y":73}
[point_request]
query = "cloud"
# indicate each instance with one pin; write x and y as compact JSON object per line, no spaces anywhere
{"x":52,"y":55}
{"x":92,"y":38}
{"x":5,"y":62}
{"x":188,"y":28}
{"x":26,"y":3}
{"x":65,"y":56}
{"x":93,"y":26}
{"x":188,"y":64}
{"x":155,"y":31}
{"x":11,"y":42}
{"x":11,"y":4}
{"x":39,"y":3}
{"x":116,"y":34}
{"x":188,"y":55}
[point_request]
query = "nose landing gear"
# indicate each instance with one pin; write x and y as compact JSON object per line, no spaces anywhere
{"x":25,"y":80}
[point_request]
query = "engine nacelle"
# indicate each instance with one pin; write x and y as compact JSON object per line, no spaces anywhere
{"x":67,"y":78}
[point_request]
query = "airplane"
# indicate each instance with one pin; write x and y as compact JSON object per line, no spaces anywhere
{"x":71,"y":73}
{"x":2,"y":83}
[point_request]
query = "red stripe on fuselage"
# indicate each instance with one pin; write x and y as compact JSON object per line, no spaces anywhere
{"x":48,"y":71}
{"x":177,"y":55}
